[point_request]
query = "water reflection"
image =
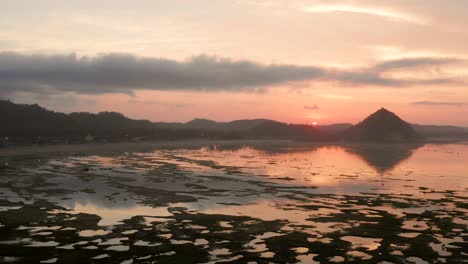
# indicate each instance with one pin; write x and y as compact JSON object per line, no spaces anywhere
{"x":383,"y":158}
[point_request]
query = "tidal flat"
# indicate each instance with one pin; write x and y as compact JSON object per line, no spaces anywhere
{"x":237,"y":203}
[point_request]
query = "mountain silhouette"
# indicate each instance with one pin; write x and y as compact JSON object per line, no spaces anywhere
{"x":382,"y":126}
{"x":31,"y":124}
{"x":33,"y":120}
{"x":275,"y":129}
{"x":237,"y":125}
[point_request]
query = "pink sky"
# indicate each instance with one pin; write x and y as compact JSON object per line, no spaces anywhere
{"x":339,"y":60}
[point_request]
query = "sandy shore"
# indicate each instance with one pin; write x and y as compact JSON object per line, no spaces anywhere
{"x":99,"y":148}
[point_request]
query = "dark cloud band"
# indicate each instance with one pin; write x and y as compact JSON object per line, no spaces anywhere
{"x":124,"y":73}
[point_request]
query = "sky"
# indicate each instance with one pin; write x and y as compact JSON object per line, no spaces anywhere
{"x":296,"y":61}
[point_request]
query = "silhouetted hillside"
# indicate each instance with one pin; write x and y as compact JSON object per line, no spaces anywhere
{"x":335,"y":128}
{"x":34,"y":124}
{"x":28,"y":120}
{"x":382,"y":126}
{"x":238,"y":125}
{"x":204,"y":124}
{"x":108,"y":123}
{"x":26,"y":124}
{"x":274,"y":129}
{"x":33,"y":121}
{"x":249,"y":128}
{"x":210,"y":125}
{"x":247,"y":124}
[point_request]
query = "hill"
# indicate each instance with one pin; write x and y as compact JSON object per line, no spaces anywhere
{"x":237,"y":125}
{"x":274,"y":129}
{"x":28,"y":124}
{"x":382,"y":126}
{"x":261,"y":128}
{"x":34,"y":123}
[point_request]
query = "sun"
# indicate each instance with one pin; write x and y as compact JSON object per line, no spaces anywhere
{"x":314,"y":123}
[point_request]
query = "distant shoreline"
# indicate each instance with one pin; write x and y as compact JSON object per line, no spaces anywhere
{"x":143,"y":146}
{"x":147,"y":146}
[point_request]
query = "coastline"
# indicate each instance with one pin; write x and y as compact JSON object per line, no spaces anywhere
{"x":101,"y":148}
{"x":148,"y":146}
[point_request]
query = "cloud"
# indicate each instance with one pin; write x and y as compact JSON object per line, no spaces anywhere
{"x":312,"y":107}
{"x":367,"y":10}
{"x":125,"y":73}
{"x":434,"y":103}
{"x":414,"y":62}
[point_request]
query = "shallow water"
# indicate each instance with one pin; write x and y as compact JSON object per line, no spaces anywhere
{"x":308,"y":204}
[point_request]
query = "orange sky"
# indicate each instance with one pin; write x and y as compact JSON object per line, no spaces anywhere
{"x":338,"y":61}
